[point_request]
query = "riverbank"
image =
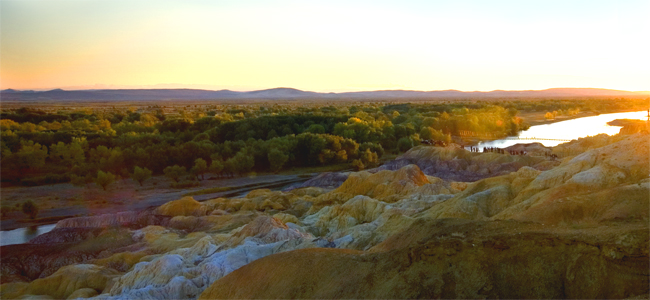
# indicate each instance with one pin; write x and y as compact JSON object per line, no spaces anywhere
{"x":536,"y":119}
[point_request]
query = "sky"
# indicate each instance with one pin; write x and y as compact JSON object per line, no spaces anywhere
{"x":325,"y":46}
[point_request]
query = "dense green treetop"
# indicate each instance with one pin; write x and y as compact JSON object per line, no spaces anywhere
{"x":48,"y":145}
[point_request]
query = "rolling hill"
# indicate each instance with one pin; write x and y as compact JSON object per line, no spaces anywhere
{"x":290,"y":93}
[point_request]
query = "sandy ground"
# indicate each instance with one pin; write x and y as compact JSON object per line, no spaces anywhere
{"x":59,"y":201}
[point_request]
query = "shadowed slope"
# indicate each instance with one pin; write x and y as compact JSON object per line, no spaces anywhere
{"x":457,"y":259}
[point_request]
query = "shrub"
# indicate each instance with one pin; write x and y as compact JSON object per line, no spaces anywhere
{"x":200,"y":167}
{"x":358,"y":165}
{"x":277,"y":159}
{"x":141,"y":174}
{"x":104,"y":179}
{"x":404,"y":144}
{"x":30,"y":209}
{"x":175,"y":172}
{"x":369,"y":159}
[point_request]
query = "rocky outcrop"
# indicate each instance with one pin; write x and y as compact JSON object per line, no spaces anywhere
{"x":631,"y":126}
{"x":83,"y":293}
{"x":485,"y":198}
{"x":623,"y":202}
{"x":572,"y":228}
{"x":122,"y":261}
{"x":589,"y":238}
{"x":266,"y":229}
{"x":63,"y":283}
{"x":358,"y":210}
{"x":327,"y":180}
{"x":457,"y":164}
{"x":265,"y":200}
{"x":161,"y":240}
{"x":156,"y":279}
{"x":287,"y":218}
{"x":186,"y":271}
{"x":385,"y":185}
{"x":185,"y":206}
{"x":67,"y":235}
{"x":128,"y":219}
{"x":582,"y":145}
{"x":586,"y":187}
{"x":600,"y":184}
{"x":535,"y":149}
{"x":26,"y":262}
{"x":456,"y":259}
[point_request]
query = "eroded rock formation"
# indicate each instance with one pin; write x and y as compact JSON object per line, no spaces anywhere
{"x":457,"y":164}
{"x":527,"y":227}
{"x":457,"y":259}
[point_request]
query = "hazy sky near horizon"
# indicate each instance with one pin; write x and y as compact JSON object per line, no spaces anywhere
{"x":325,"y":45}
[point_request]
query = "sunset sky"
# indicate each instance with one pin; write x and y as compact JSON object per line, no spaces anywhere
{"x":325,"y":46}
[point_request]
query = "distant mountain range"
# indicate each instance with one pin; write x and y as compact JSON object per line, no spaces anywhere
{"x":290,"y":93}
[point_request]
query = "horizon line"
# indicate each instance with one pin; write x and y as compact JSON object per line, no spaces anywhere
{"x":281,"y":87}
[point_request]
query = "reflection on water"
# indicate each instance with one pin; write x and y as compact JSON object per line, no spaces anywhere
{"x":568,"y":130}
{"x":23,"y":235}
{"x":31,"y":231}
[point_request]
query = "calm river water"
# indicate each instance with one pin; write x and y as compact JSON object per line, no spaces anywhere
{"x":23,"y":235}
{"x":568,"y":130}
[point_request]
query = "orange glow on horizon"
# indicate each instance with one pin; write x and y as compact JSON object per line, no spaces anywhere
{"x":316,"y":47}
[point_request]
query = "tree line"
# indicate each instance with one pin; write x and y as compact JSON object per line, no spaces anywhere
{"x":94,"y":145}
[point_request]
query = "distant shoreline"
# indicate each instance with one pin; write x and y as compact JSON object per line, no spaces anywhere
{"x":626,"y":122}
{"x":537,"y":118}
{"x":542,"y":121}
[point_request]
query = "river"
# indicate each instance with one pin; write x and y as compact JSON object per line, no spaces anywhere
{"x":23,"y":235}
{"x":566,"y":130}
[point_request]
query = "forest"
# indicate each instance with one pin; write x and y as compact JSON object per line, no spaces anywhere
{"x":84,"y":144}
